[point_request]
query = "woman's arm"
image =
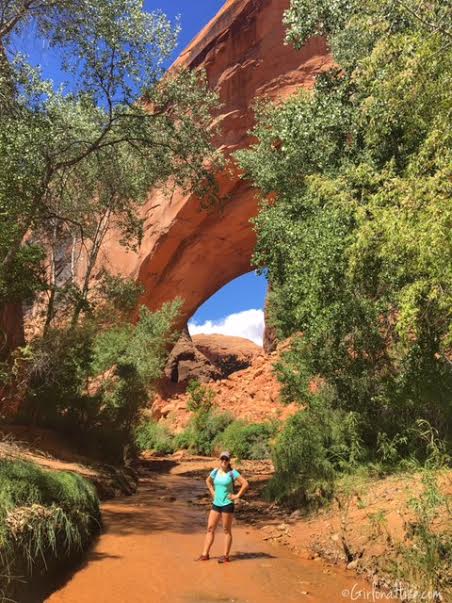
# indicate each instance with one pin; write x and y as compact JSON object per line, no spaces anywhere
{"x":209,"y":482}
{"x":244,"y":485}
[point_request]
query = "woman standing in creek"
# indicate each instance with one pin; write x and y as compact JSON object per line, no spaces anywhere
{"x":221,"y":486}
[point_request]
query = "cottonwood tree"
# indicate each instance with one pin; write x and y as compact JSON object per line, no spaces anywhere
{"x":78,"y":160}
{"x":357,"y":244}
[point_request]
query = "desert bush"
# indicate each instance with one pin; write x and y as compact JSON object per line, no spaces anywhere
{"x":423,"y":562}
{"x":315,"y":446}
{"x":424,"y":558}
{"x":45,"y":518}
{"x":91,"y":381}
{"x":202,"y":431}
{"x":150,"y":435}
{"x":206,"y":423}
{"x":248,"y":440}
{"x":55,"y":369}
{"x":200,"y":396}
{"x":416,"y":448}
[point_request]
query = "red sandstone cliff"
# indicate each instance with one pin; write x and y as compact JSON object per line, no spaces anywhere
{"x":252,"y":394}
{"x":187,"y":251}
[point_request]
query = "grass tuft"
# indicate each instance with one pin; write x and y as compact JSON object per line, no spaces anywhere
{"x":46,"y":518}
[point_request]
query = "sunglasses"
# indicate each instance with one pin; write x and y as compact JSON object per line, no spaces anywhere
{"x":224,"y":458}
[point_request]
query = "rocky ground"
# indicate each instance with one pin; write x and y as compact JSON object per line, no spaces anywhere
{"x":252,"y":393}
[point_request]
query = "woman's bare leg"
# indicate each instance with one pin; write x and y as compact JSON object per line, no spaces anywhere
{"x":226,"y":518}
{"x":214,"y":518}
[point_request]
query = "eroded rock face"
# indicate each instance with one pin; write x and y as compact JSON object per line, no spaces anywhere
{"x":188,"y":251}
{"x":252,"y":394}
{"x":11,"y":329}
{"x":185,"y":363}
{"x":228,"y":354}
{"x":205,"y":358}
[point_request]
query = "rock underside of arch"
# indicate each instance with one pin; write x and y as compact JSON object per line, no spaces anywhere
{"x":188,"y":251}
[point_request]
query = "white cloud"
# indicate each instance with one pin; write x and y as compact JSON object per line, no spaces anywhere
{"x":249,"y":324}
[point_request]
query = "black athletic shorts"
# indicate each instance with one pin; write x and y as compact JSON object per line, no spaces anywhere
{"x":223,"y":509}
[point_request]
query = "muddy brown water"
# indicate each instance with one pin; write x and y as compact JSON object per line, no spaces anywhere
{"x":147,"y":550}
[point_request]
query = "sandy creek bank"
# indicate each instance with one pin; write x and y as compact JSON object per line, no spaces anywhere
{"x":146,"y":554}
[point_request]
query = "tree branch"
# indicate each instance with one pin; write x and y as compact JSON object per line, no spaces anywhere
{"x":432,"y":26}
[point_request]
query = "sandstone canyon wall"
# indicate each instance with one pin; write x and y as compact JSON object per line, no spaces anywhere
{"x":11,"y":329}
{"x":187,"y":251}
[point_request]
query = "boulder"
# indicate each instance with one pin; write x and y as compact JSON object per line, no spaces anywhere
{"x":185,"y":363}
{"x":228,"y":354}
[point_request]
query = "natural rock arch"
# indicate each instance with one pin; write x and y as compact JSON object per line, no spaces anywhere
{"x":188,"y":251}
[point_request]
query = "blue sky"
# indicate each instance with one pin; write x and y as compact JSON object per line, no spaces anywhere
{"x":245,"y":292}
{"x":194,"y":14}
{"x":228,"y":311}
{"x":237,"y":309}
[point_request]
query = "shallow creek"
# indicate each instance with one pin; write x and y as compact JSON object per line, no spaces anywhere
{"x":150,"y":540}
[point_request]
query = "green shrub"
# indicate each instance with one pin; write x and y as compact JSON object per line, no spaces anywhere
{"x":91,"y":382}
{"x":248,"y":440}
{"x":415,"y":448}
{"x":45,"y":518}
{"x":56,"y":369}
{"x":200,"y":396}
{"x":206,"y":424}
{"x":153,"y":436}
{"x":316,"y":445}
{"x":425,"y":555}
{"x":202,"y":431}
{"x":122,"y":293}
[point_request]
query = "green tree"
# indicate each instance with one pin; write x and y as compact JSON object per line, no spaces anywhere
{"x":356,"y":233}
{"x":315,"y":445}
{"x":75,"y":163}
{"x":92,"y":380}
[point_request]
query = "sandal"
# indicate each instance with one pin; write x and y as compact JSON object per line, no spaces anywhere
{"x":202,"y":558}
{"x":224,"y":559}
